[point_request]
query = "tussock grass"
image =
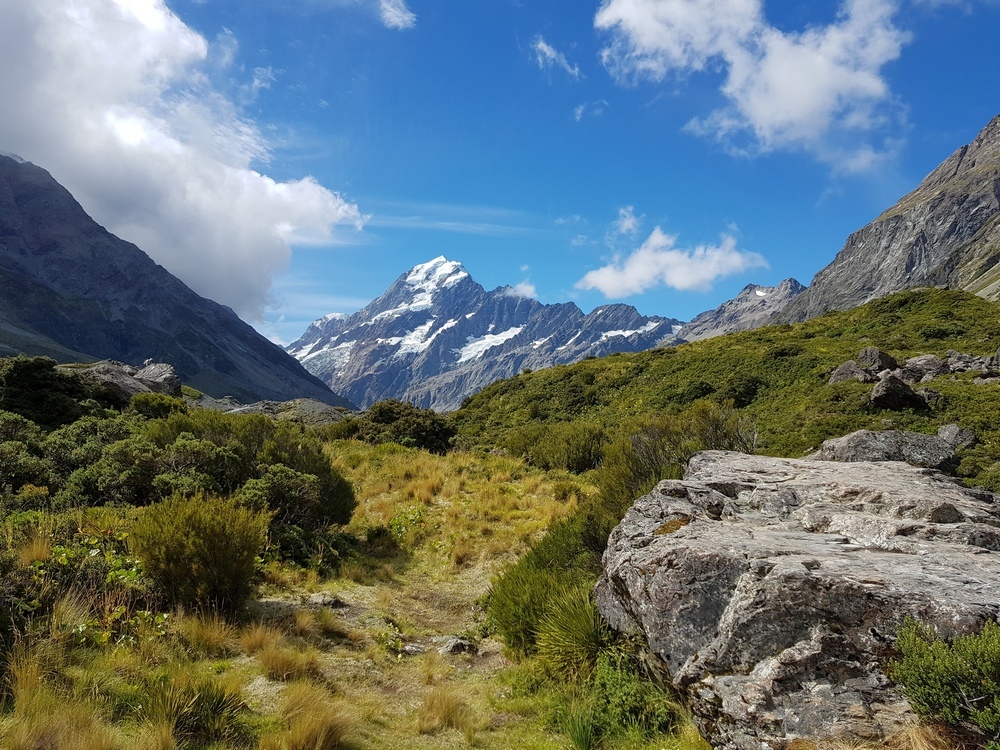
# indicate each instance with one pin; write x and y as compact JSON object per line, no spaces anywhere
{"x":206,"y":634}
{"x":259,"y":637}
{"x":285,"y":663}
{"x":312,"y":721}
{"x":445,"y":707}
{"x":36,"y":549}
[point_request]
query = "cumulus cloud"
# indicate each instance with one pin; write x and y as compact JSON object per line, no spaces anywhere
{"x":821,"y":88}
{"x":660,"y":262}
{"x":396,"y":15}
{"x":114,"y":98}
{"x":548,"y":57}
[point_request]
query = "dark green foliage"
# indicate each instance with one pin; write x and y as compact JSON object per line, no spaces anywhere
{"x":198,"y":712}
{"x":957,"y":682}
{"x":298,"y":499}
{"x":518,"y":600}
{"x":623,"y":698}
{"x":394,"y":421}
{"x":521,"y":597}
{"x":572,"y":446}
{"x":156,"y":405}
{"x":35,"y":389}
{"x":200,"y":551}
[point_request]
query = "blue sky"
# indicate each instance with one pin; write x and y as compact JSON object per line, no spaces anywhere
{"x":292,"y":158}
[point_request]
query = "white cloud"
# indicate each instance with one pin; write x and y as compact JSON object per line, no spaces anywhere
{"x":113,"y":97}
{"x":628,"y":222}
{"x":594,"y":109}
{"x":548,"y":57}
{"x":396,"y":15}
{"x":821,"y":88}
{"x":524,"y":289}
{"x":660,"y":262}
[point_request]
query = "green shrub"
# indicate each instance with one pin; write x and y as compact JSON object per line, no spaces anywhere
{"x":957,"y":682}
{"x":572,"y":446}
{"x":392,"y":421}
{"x":570,"y":635}
{"x":518,"y":600}
{"x":623,"y":698}
{"x":156,"y":405}
{"x":35,"y":389}
{"x":200,"y":551}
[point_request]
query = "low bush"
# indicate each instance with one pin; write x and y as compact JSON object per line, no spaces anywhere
{"x":392,"y":421}
{"x":200,"y":551}
{"x":957,"y":682}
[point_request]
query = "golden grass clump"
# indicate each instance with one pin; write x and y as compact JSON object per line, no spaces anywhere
{"x":257,"y":637}
{"x":312,"y":721}
{"x":37,"y":548}
{"x":205,"y":635}
{"x":285,"y":664}
{"x":444,"y":707}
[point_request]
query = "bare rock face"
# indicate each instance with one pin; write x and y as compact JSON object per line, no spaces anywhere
{"x":127,"y":381}
{"x":770,"y":590}
{"x":928,"y":451}
{"x":943,"y":233}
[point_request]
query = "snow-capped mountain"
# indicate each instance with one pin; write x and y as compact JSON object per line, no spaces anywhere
{"x":436,"y":336}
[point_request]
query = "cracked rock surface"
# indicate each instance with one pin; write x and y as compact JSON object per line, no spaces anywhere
{"x":770,"y":590}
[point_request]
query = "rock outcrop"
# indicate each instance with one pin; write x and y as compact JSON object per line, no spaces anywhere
{"x":769,"y":590}
{"x":944,"y":233}
{"x":916,"y":449}
{"x":126,"y":381}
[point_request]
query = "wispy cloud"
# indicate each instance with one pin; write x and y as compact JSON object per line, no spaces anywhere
{"x":590,"y":109}
{"x":659,"y":262}
{"x":115,"y":99}
{"x":486,"y":221}
{"x":396,"y":15}
{"x":820,"y":89}
{"x":628,"y":222}
{"x":548,"y":57}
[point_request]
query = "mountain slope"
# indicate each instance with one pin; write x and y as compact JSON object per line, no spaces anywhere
{"x":752,"y":308}
{"x":777,"y":375}
{"x":73,"y":291}
{"x":945,"y":233}
{"x":436,"y":336}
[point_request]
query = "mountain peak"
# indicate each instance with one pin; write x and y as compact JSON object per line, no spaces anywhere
{"x":439,"y":273}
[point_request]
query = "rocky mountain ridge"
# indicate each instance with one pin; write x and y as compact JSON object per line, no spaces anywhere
{"x":944,"y":233}
{"x":75,"y":292}
{"x":436,"y":336}
{"x":752,"y":308}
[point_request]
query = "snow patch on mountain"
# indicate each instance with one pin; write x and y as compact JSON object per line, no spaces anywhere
{"x":650,"y":326}
{"x":476,"y":348}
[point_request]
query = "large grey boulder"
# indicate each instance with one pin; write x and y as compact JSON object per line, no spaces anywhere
{"x":923,"y":368}
{"x":850,"y":370}
{"x":770,"y":590}
{"x":929,"y":451}
{"x":876,"y":360}
{"x":160,"y":377}
{"x":890,"y":392}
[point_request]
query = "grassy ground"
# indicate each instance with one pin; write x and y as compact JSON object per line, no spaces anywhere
{"x":312,"y":663}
